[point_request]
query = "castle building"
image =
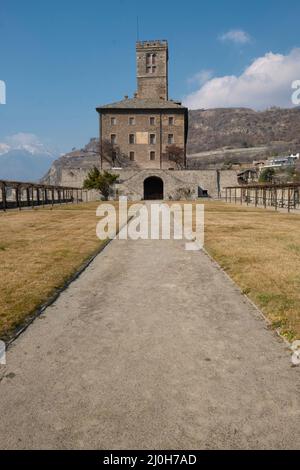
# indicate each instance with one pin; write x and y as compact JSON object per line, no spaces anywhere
{"x":143,"y":141}
{"x":148,"y":131}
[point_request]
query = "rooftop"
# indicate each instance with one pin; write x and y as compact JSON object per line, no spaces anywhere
{"x":136,"y":103}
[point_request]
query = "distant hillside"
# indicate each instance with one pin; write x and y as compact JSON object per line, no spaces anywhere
{"x":243,"y":128}
{"x":87,"y":157}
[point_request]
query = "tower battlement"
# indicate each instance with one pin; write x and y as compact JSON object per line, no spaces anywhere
{"x":152,"y":43}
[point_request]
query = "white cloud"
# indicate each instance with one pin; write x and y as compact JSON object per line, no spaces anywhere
{"x":266,"y":82}
{"x":238,"y":36}
{"x":24,"y":141}
{"x":201,"y":77}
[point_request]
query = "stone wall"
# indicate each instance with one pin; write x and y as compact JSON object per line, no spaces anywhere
{"x":131,"y":181}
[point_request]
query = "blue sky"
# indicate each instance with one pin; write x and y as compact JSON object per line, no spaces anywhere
{"x":60,"y":59}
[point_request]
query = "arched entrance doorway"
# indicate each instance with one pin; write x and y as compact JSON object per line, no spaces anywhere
{"x":153,"y":188}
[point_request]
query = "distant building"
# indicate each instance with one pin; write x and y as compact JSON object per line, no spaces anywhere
{"x":278,"y":162}
{"x":140,"y":129}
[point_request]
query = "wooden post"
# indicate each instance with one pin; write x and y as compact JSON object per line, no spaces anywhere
{"x":38,"y":196}
{"x":4,"y":202}
{"x":28,"y":197}
{"x":289,"y":199}
{"x":17,"y":197}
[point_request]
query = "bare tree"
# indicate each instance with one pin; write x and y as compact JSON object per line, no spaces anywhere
{"x":175,"y":154}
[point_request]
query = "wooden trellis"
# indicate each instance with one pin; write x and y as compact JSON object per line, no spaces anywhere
{"x":286,"y":196}
{"x":17,"y":194}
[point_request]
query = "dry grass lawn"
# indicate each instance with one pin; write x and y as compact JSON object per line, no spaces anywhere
{"x":39,"y":250}
{"x":260,"y":250}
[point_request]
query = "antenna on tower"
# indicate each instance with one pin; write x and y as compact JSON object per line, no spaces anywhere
{"x":137,"y":29}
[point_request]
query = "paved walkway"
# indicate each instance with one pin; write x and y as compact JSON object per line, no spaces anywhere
{"x":152,"y":347}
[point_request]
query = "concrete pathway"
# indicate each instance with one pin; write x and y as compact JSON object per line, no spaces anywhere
{"x":151,"y":348}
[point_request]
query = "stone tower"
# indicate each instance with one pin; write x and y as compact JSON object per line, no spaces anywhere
{"x":152,"y":70}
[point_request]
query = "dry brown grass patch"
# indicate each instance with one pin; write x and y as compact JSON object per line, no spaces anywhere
{"x":260,"y":250}
{"x":39,"y":251}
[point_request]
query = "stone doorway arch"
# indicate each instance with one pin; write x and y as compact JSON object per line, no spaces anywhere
{"x":153,"y":188}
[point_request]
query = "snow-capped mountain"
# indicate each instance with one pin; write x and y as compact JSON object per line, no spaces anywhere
{"x":23,"y":157}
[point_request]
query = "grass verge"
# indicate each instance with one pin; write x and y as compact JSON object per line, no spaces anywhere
{"x":260,"y":250}
{"x":39,"y":251}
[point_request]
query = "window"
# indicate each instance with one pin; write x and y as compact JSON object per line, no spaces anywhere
{"x":113,"y":121}
{"x":152,"y":121}
{"x":152,"y":155}
{"x":170,"y":139}
{"x":202,"y":192}
{"x":152,"y":139}
{"x":131,"y":138}
{"x":171,"y":121}
{"x":151,"y":63}
{"x":131,"y":121}
{"x":113,"y":139}
{"x":131,"y":156}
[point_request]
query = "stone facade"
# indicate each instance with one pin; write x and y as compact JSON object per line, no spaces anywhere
{"x":143,"y":135}
{"x":152,"y":69}
{"x":175,"y":184}
{"x":141,"y":128}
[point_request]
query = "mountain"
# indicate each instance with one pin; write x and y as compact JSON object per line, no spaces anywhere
{"x":24,"y":158}
{"x":214,"y":129}
{"x":87,"y":157}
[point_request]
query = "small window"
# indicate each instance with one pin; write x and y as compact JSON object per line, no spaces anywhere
{"x":152,"y":155}
{"x":113,"y":139}
{"x":113,"y":121}
{"x":131,"y":138}
{"x":152,"y":139}
{"x":152,"y":121}
{"x":131,"y":121}
{"x":171,"y":139}
{"x":131,"y":156}
{"x":151,"y":63}
{"x":171,"y":121}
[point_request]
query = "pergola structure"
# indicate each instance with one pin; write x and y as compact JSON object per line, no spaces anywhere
{"x":17,"y":194}
{"x":266,"y":194}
